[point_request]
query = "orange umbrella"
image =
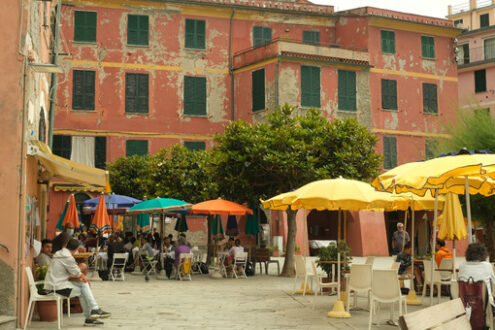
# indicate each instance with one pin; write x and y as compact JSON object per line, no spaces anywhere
{"x":219,"y":206}
{"x":71,"y":214}
{"x":101,"y":221}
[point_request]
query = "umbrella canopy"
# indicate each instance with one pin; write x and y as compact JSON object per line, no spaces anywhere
{"x":71,"y":215}
{"x":158,"y":205}
{"x":181,"y":224}
{"x":115,"y":203}
{"x":60,"y":223}
{"x":219,"y":206}
{"x":252,"y":227}
{"x":405,"y":201}
{"x":451,"y":222}
{"x":217,"y":228}
{"x":143,"y":223}
{"x":232,"y":227}
{"x":101,"y":222}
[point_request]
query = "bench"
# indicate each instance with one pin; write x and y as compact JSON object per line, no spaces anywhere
{"x":262,"y":255}
{"x":447,"y":315}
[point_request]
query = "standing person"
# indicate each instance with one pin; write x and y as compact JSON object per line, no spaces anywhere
{"x":45,"y":256}
{"x":443,"y":252}
{"x":65,"y":278}
{"x":399,"y":239}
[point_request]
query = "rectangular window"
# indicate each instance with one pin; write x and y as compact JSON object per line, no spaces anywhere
{"x":489,"y":48}
{"x":347,"y":90}
{"x":62,"y":145}
{"x":480,"y":81}
{"x":463,"y":54}
{"x":195,"y":96}
{"x":261,"y":36}
{"x":311,"y":37}
{"x":137,"y":30}
{"x":427,"y":47}
{"x":136,"y":93}
{"x":431,"y":148}
{"x":85,"y":26}
{"x":458,"y":22}
{"x":389,"y":152}
{"x":195,"y":145}
{"x":258,"y":90}
{"x":484,"y":20}
{"x":430,"y":104}
{"x":310,"y":86}
{"x":195,"y":33}
{"x":136,"y":147}
{"x":388,"y":41}
{"x":389,"y":94}
{"x":100,"y":152}
{"x":83,"y":90}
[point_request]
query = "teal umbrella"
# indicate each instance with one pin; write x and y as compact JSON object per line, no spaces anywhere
{"x":252,"y":227}
{"x":143,"y":223}
{"x":181,"y":224}
{"x":60,"y":224}
{"x":159,"y":205}
{"x":217,"y":228}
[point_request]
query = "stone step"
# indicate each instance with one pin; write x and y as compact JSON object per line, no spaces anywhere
{"x":7,"y":322}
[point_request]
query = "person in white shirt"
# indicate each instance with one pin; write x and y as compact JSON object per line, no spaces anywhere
{"x":65,"y":278}
{"x":237,"y":248}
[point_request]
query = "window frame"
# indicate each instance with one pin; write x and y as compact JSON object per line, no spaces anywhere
{"x":62,"y":145}
{"x":311,"y":95}
{"x":256,"y":104}
{"x":100,"y":154}
{"x":482,"y":18}
{"x":344,"y":97}
{"x":191,"y":86}
{"x":480,"y":86}
{"x":195,"y":145}
{"x":138,"y":30}
{"x":427,"y":97}
{"x":136,"y":97}
{"x":383,"y":42}
{"x":491,"y":49}
{"x":311,"y":37}
{"x":394,"y":106}
{"x":263,"y":40}
{"x":195,"y":39}
{"x":83,"y":28}
{"x":427,"y":48}
{"x":127,"y":143}
{"x":84,"y":91}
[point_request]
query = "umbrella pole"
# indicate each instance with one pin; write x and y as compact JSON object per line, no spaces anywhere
{"x":405,"y":229}
{"x":339,"y":227}
{"x":435,"y":218}
{"x":162,"y":230}
{"x":344,"y":238}
{"x":412,"y":243}
{"x":468,"y":211}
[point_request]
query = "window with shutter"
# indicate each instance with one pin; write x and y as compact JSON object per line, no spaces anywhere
{"x":195,"y":96}
{"x":388,"y":41}
{"x":389,"y":152}
{"x":83,"y":90}
{"x":431,"y":147}
{"x":389,"y":94}
{"x":137,"y":30}
{"x":427,"y":47}
{"x":430,"y":104}
{"x":136,"y":147}
{"x":195,"y":34}
{"x":261,"y":36}
{"x":195,"y":145}
{"x":311,"y":37}
{"x":85,"y":26}
{"x":258,"y":90}
{"x":62,"y":145}
{"x":310,"y":86}
{"x":480,"y":81}
{"x":347,"y":90}
{"x":136,"y":92}
{"x":484,"y":20}
{"x":489,"y":48}
{"x":100,"y":152}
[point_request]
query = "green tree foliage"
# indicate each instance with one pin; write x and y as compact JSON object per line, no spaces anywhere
{"x":128,"y":176}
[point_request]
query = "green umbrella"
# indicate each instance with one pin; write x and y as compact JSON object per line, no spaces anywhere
{"x":181,"y":224}
{"x":252,"y":227}
{"x":217,"y":229}
{"x":60,"y":224}
{"x":143,"y":223}
{"x":159,"y":205}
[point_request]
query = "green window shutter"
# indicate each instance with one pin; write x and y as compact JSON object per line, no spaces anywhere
{"x":85,"y":26}
{"x":480,"y":81}
{"x":100,"y":151}
{"x":484,"y":20}
{"x":267,"y":35}
{"x":137,"y":30}
{"x":431,"y":147}
{"x":347,"y":90}
{"x":310,"y":86}
{"x":311,"y":37}
{"x":195,"y":145}
{"x":83,"y":90}
{"x":389,"y":94}
{"x":261,"y":36}
{"x":388,"y":41}
{"x":389,"y":152}
{"x":258,"y":90}
{"x":488,"y":48}
{"x":62,"y":145}
{"x":195,"y":96}
{"x":136,"y":147}
{"x":427,"y":47}
{"x":195,"y":33}
{"x":430,"y":104}
{"x":136,"y":93}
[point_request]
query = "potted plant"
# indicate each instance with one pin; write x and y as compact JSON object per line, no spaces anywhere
{"x":46,"y":309}
{"x":297,"y":250}
{"x":275,"y":251}
{"x":329,"y":253}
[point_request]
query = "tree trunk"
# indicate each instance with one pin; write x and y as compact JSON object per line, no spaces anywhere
{"x":209,"y":220}
{"x":490,"y":238}
{"x":290,"y":247}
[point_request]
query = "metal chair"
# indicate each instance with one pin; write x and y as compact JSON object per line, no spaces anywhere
{"x":148,"y":263}
{"x":118,"y":266}
{"x":197,"y":259}
{"x":240,"y":262}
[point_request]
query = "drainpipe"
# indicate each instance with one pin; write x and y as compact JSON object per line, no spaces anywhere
{"x":53,"y":84}
{"x":276,"y":82}
{"x":231,"y":69}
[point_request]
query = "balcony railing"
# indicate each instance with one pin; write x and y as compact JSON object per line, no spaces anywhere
{"x":469,"y":5}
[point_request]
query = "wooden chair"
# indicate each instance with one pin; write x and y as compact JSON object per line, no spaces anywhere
{"x":262,"y":256}
{"x":445,"y":316}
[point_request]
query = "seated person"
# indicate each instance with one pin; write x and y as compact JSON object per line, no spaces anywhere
{"x":229,"y":244}
{"x":172,"y":239}
{"x":82,"y":239}
{"x":237,"y":248}
{"x":69,"y":228}
{"x":90,"y":241}
{"x":65,"y":278}
{"x":45,"y":256}
{"x":168,"y":251}
{"x":443,"y":252}
{"x":184,"y":235}
{"x":114,"y":246}
{"x":404,"y":258}
{"x":146,"y":245}
{"x":59,"y":241}
{"x":180,"y":248}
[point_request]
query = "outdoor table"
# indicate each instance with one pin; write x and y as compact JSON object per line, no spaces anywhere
{"x":83,"y":257}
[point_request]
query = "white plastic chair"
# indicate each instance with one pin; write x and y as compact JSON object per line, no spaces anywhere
{"x":197,"y":259}
{"x":301,"y":272}
{"x":240,"y":262}
{"x":369,"y":260}
{"x":395,"y":266}
{"x":182,"y":272}
{"x":439,"y":277}
{"x":118,"y":265}
{"x":34,"y":296}
{"x":319,"y":281}
{"x":385,"y":288}
{"x":359,"y":280}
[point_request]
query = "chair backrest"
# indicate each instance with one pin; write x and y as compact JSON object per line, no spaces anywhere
{"x":197,"y":255}
{"x":300,"y":265}
{"x":385,"y":285}
{"x":361,"y":277}
{"x":370,"y":260}
{"x":33,"y":290}
{"x":119,"y":260}
{"x":446,"y":264}
{"x":241,"y":258}
{"x":185,"y":262}
{"x":262,"y":254}
{"x":427,"y":267}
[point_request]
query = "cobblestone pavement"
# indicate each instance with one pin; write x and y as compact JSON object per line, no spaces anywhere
{"x":258,"y":302}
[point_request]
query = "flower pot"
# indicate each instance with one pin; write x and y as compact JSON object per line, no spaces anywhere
{"x":47,"y":310}
{"x":298,"y":253}
{"x":276,"y":253}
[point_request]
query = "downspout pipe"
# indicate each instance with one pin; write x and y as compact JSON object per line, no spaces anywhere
{"x":53,"y":84}
{"x":231,"y":68}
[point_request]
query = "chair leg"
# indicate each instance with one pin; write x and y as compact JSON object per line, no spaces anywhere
{"x":59,"y":311}
{"x":28,"y":314}
{"x":68,"y":307}
{"x":278,"y":267}
{"x":371,"y":315}
{"x":348,"y":291}
{"x":305,"y":283}
{"x":424,"y":290}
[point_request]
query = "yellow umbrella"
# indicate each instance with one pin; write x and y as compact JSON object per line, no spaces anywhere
{"x":451,"y":222}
